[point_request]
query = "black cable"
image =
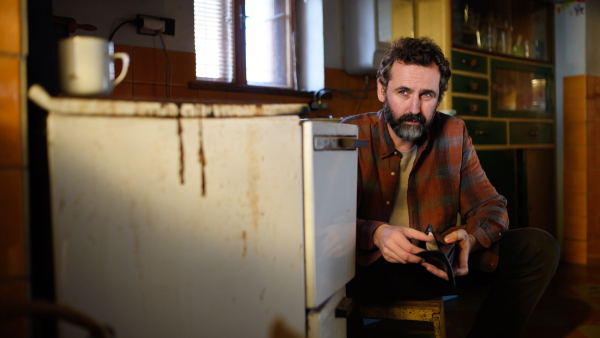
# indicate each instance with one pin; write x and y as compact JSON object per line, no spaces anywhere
{"x":133,"y":22}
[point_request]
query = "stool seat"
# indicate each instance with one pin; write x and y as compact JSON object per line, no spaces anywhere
{"x":418,"y":310}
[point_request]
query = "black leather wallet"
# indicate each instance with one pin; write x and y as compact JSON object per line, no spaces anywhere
{"x":441,"y":259}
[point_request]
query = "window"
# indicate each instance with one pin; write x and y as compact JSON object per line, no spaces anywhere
{"x":244,"y":42}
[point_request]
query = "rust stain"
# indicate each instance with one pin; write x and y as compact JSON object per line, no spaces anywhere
{"x":262,"y":293}
{"x":253,"y":176}
{"x":201,"y":159}
{"x":245,"y":244}
{"x":181,"y":153}
{"x":61,"y":205}
{"x":136,"y":248}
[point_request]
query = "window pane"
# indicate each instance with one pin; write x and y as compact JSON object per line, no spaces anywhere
{"x":268,"y":43}
{"x":213,"y":32}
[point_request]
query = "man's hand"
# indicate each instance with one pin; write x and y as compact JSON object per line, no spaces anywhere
{"x":465,"y":244}
{"x":395,"y":245}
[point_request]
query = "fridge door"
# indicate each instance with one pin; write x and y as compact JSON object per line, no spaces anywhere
{"x":189,"y":227}
{"x":330,"y":176}
{"x":322,"y":322}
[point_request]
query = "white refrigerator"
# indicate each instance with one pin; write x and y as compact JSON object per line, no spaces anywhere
{"x":190,"y":220}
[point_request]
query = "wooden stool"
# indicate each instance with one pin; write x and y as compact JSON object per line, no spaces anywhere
{"x":418,"y":310}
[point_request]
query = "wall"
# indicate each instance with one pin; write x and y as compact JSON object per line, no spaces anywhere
{"x":13,"y":164}
{"x":107,"y":14}
{"x":569,"y":31}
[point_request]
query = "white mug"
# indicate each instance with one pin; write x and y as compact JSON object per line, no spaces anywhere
{"x":86,"y":66}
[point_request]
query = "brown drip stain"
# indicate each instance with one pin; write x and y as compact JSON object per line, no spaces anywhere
{"x":253,"y":172}
{"x":181,"y":154}
{"x":201,"y":159}
{"x":245,"y":244}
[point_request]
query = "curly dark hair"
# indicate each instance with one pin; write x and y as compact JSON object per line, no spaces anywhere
{"x":422,"y":51}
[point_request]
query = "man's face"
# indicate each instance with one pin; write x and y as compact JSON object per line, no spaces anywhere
{"x":410,"y":99}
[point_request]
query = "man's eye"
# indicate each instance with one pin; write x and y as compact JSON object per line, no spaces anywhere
{"x":403,"y":92}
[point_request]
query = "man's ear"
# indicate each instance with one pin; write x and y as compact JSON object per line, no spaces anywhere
{"x":381,"y":91}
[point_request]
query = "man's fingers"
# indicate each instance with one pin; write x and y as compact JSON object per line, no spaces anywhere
{"x":395,"y":251}
{"x":435,"y":271}
{"x":456,"y":236}
{"x":463,"y":267}
{"x":416,"y":234}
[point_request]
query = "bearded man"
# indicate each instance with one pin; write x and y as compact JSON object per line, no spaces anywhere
{"x":420,"y":169}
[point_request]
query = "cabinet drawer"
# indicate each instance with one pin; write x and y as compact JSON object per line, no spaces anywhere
{"x":469,"y":62}
{"x":531,"y":133}
{"x":470,"y":107}
{"x":487,"y":132}
{"x":469,"y":85}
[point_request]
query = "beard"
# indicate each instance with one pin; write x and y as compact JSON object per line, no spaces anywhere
{"x":406,"y":132}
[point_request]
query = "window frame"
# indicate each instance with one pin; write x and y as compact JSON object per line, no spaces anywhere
{"x":239,"y":82}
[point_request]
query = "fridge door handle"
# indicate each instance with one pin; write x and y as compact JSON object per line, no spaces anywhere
{"x":338,"y":143}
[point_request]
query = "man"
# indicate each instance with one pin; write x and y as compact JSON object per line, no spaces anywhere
{"x":421,"y":168}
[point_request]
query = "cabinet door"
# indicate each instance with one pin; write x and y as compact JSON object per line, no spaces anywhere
{"x":521,"y":90}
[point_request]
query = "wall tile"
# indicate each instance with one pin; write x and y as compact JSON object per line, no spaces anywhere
{"x":576,"y":228}
{"x":184,"y":93}
{"x":574,"y":251}
{"x":592,"y":86}
{"x":575,"y":134}
{"x":149,"y":66}
{"x":593,"y":227}
{"x":123,"y":90}
{"x":335,"y":78}
{"x":592,"y":105}
{"x":593,"y":180}
{"x":593,"y":157}
{"x":10,"y":27}
{"x":593,"y":134}
{"x":593,"y":204}
{"x":593,"y":251}
{"x":10,"y":117}
{"x":119,"y":64}
{"x":13,"y":290}
{"x":574,"y":87}
{"x":574,"y":110}
{"x":576,"y":157}
{"x":212,"y":96}
{"x":268,"y":98}
{"x":148,"y":91}
{"x":184,"y":67}
{"x":576,"y":181}
{"x":12,"y":227}
{"x":240,"y":97}
{"x":575,"y":204}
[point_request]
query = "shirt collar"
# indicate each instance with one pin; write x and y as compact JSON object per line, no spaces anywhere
{"x":387,"y":147}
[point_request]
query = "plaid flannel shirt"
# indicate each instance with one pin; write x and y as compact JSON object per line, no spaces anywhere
{"x":446,"y":179}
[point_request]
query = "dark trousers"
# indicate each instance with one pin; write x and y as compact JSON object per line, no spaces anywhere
{"x":528,"y":260}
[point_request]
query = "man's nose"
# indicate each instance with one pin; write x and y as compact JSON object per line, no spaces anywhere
{"x":415,"y":104}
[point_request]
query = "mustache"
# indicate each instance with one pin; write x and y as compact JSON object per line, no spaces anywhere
{"x":408,"y":117}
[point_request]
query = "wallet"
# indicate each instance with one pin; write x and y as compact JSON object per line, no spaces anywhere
{"x":441,"y":259}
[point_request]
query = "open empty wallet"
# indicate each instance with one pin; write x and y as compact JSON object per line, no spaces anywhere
{"x":441,"y":259}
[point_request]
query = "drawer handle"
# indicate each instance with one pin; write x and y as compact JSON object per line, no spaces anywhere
{"x":338,"y":143}
{"x":534,"y":133}
{"x":472,"y":62}
{"x":482,"y":132}
{"x":475,"y":86}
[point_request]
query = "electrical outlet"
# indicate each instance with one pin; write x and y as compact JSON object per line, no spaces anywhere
{"x":169,"y":25}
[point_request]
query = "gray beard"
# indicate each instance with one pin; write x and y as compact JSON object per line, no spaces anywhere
{"x":406,"y":132}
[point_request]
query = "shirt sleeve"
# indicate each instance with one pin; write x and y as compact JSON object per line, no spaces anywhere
{"x":480,"y":204}
{"x":367,"y":251}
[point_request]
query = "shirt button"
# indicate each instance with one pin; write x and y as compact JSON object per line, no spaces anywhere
{"x":395,"y":152}
{"x":387,"y":202}
{"x":393,"y":173}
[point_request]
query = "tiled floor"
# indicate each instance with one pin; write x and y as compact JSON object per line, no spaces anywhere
{"x":569,"y":308}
